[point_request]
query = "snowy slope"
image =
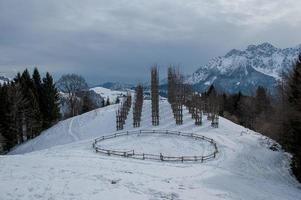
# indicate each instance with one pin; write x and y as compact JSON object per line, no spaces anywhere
{"x":245,"y":168}
{"x":108,"y":93}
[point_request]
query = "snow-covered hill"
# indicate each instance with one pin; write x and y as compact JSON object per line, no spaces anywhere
{"x":258,"y":65}
{"x":63,"y":165}
{"x":108,"y":93}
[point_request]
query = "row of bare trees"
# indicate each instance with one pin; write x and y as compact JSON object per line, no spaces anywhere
{"x":176,"y":94}
{"x":123,"y":111}
{"x":137,"y":109}
{"x":194,"y":103}
{"x":211,"y":106}
{"x":180,"y":94}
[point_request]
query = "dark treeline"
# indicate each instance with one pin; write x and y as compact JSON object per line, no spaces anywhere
{"x":29,"y":105}
{"x":278,"y":117}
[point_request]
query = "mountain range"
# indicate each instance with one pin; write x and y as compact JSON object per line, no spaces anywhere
{"x":245,"y":70}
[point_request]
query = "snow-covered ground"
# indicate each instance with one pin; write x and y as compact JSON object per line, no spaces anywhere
{"x":108,"y":93}
{"x":169,"y":145}
{"x":62,"y":164}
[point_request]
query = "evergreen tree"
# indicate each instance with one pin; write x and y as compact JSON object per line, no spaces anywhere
{"x":87,"y":102}
{"x":262,"y":101}
{"x":117,"y":100}
{"x":22,"y":101}
{"x":17,"y":106}
{"x":108,"y":102}
{"x":50,"y":101}
{"x":36,"y":78}
{"x":32,"y":120}
{"x":293,"y":124}
{"x":3,"y":113}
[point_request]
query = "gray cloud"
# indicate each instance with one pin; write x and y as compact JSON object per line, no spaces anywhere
{"x":119,"y":40}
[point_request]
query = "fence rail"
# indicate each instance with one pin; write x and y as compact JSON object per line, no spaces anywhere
{"x":159,"y":157}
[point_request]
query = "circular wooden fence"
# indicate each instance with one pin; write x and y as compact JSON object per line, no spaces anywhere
{"x":160,"y":157}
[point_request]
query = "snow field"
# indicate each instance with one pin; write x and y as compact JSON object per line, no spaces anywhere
{"x":153,"y":143}
{"x":61,"y":163}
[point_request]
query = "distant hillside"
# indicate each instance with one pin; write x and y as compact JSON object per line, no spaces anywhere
{"x":108,"y":93}
{"x":116,"y":86}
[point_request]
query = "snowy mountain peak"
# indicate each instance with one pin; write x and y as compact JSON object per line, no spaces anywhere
{"x":233,"y":52}
{"x":245,"y":70}
{"x":264,"y":47}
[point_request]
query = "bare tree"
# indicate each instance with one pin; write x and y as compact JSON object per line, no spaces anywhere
{"x":155,"y":95}
{"x":176,"y":94}
{"x":137,"y":109}
{"x":71,"y":84}
{"x":123,"y":111}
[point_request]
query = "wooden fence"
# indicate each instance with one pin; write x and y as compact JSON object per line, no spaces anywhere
{"x":159,"y":157}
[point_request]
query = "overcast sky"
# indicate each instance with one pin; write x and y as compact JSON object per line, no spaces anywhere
{"x":119,"y":40}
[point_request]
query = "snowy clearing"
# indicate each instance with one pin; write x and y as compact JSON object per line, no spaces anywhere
{"x":61,"y":163}
{"x":155,"y":144}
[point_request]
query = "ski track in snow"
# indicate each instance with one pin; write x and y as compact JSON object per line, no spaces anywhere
{"x":74,"y":136}
{"x":63,"y":165}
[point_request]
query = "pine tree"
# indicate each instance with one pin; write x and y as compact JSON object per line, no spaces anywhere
{"x":293,"y":124}
{"x":36,"y":78}
{"x":262,"y":101}
{"x":108,"y":102}
{"x":21,"y":103}
{"x":17,"y":106}
{"x":3,"y":113}
{"x":50,"y":101}
{"x":117,"y":100}
{"x":32,"y":117}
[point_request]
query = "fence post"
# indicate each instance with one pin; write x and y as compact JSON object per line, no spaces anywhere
{"x":143,"y":156}
{"x":202,"y":159}
{"x":109,"y":152}
{"x":182,"y":159}
{"x":161,"y":157}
